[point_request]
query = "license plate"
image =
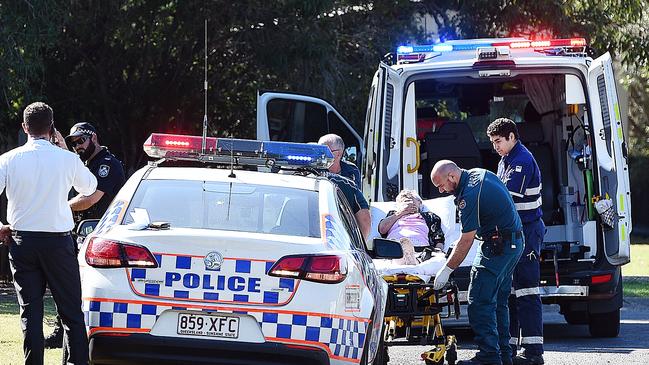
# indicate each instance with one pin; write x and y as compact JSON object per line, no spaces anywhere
{"x":211,"y":325}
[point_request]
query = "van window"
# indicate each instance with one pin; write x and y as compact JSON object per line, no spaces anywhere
{"x":228,"y":207}
{"x":296,"y":121}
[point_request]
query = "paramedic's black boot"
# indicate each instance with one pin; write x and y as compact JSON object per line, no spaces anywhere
{"x":525,"y":359}
{"x":507,"y":360}
{"x":55,"y":339}
{"x":474,"y":361}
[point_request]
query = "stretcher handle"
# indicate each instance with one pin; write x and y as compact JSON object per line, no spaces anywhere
{"x":410,"y":140}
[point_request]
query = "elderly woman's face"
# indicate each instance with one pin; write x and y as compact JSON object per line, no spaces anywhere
{"x":406,"y":200}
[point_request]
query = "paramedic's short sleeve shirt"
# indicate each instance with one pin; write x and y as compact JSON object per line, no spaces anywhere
{"x":467,"y":202}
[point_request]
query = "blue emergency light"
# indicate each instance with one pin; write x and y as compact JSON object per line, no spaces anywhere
{"x":417,"y":53}
{"x":238,"y":151}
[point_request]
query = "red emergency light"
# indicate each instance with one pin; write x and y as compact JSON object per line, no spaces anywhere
{"x":567,"y":42}
{"x":176,"y":145}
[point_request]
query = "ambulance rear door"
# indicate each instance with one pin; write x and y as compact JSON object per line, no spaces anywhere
{"x":381,"y":170}
{"x":611,"y":152}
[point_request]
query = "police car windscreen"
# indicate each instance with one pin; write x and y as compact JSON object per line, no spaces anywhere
{"x":229,"y":207}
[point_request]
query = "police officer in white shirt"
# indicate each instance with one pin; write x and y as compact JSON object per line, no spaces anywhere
{"x":37,"y":177}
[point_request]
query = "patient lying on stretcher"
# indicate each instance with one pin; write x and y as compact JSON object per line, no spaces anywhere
{"x":417,"y":229}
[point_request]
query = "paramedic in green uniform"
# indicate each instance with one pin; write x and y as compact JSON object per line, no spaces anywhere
{"x":487,"y":212}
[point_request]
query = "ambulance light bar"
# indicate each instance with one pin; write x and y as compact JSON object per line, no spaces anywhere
{"x":417,"y":53}
{"x":238,"y":151}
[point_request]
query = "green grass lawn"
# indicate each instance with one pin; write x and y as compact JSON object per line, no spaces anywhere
{"x":639,"y":265}
{"x":11,"y":338}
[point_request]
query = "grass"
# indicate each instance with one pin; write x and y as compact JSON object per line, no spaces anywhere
{"x":636,"y":288}
{"x":639,"y":265}
{"x":11,"y":338}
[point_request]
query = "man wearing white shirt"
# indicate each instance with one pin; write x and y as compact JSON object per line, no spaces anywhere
{"x":37,"y":177}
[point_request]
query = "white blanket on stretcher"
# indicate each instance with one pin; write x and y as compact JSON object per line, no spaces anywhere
{"x":445,"y":208}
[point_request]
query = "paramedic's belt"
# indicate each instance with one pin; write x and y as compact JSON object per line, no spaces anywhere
{"x":496,"y":240}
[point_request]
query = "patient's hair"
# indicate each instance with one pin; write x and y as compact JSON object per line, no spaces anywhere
{"x":408,"y":194}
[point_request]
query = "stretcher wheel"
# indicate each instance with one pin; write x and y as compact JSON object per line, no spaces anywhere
{"x":451,"y":354}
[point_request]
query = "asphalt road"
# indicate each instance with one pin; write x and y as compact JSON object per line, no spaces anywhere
{"x":564,"y":344}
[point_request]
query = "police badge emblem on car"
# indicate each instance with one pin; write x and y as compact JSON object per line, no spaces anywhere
{"x":213,"y":261}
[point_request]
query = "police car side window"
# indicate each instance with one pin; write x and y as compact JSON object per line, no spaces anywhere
{"x":349,"y":220}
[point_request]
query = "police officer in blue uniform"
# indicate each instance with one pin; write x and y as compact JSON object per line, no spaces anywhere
{"x":340,"y":166}
{"x":103,"y":164}
{"x":519,"y":171}
{"x":356,"y":200}
{"x":487,"y":212}
{"x":108,"y":171}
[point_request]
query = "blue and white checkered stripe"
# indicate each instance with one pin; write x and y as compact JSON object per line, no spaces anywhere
{"x":344,"y":337}
{"x":194,"y":284}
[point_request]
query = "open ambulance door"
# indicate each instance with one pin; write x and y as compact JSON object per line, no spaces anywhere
{"x":611,"y":151}
{"x":290,"y":117}
{"x":381,"y":168}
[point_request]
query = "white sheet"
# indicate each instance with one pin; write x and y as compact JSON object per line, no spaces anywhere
{"x":445,"y":208}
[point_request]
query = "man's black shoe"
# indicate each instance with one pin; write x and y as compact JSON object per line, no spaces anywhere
{"x":55,"y":339}
{"x":507,"y":360}
{"x":474,"y":361}
{"x":525,"y":359}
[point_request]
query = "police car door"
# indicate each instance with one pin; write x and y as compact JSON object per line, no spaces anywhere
{"x":383,"y":129}
{"x":300,"y":118}
{"x":611,"y":153}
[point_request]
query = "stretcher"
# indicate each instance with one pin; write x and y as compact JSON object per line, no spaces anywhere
{"x":414,"y":313}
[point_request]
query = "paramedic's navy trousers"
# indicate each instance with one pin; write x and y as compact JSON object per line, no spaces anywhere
{"x":525,"y":307}
{"x":37,"y":259}
{"x":491,"y":282}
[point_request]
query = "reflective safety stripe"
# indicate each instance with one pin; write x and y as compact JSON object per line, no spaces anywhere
{"x":527,"y":291}
{"x":513,"y":341}
{"x":533,"y":191}
{"x":513,"y":292}
{"x":516,"y":194}
{"x":528,"y":206}
{"x":534,"y":340}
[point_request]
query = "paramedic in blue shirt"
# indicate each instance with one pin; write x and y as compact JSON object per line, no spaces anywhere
{"x":37,"y":177}
{"x":340,"y":166}
{"x":519,"y":171}
{"x":486,"y":211}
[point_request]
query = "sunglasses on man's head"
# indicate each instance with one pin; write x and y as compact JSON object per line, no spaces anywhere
{"x":78,"y":141}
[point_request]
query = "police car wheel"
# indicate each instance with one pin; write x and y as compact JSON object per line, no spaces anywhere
{"x":604,"y":324}
{"x":381,"y":357}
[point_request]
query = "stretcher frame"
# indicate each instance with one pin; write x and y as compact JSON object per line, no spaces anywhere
{"x":414,"y":306}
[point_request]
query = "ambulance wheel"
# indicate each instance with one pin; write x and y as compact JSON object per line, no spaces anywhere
{"x":451,"y":354}
{"x":576,"y":317}
{"x":604,"y":324}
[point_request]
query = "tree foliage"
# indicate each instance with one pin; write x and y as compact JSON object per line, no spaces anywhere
{"x":136,"y":66}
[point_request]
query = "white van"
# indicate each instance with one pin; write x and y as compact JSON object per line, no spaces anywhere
{"x":435,"y":102}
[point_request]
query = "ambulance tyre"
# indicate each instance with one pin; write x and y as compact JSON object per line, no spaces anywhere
{"x":604,"y":324}
{"x":576,"y":317}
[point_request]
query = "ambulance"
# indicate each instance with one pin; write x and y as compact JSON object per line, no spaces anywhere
{"x":433,"y":102}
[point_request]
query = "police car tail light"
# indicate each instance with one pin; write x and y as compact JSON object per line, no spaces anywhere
{"x":318,"y":268}
{"x":108,"y":253}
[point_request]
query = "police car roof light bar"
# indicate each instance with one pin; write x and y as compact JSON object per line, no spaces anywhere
{"x":417,"y":53}
{"x":241,"y":151}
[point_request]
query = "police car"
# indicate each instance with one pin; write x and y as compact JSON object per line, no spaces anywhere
{"x":228,"y":265}
{"x":433,"y":102}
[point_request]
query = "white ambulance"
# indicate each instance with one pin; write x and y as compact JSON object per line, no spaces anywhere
{"x":434,"y":102}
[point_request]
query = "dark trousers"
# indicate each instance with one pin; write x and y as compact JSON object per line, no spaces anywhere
{"x":36,"y":260}
{"x":491,"y":282}
{"x":525,"y":307}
